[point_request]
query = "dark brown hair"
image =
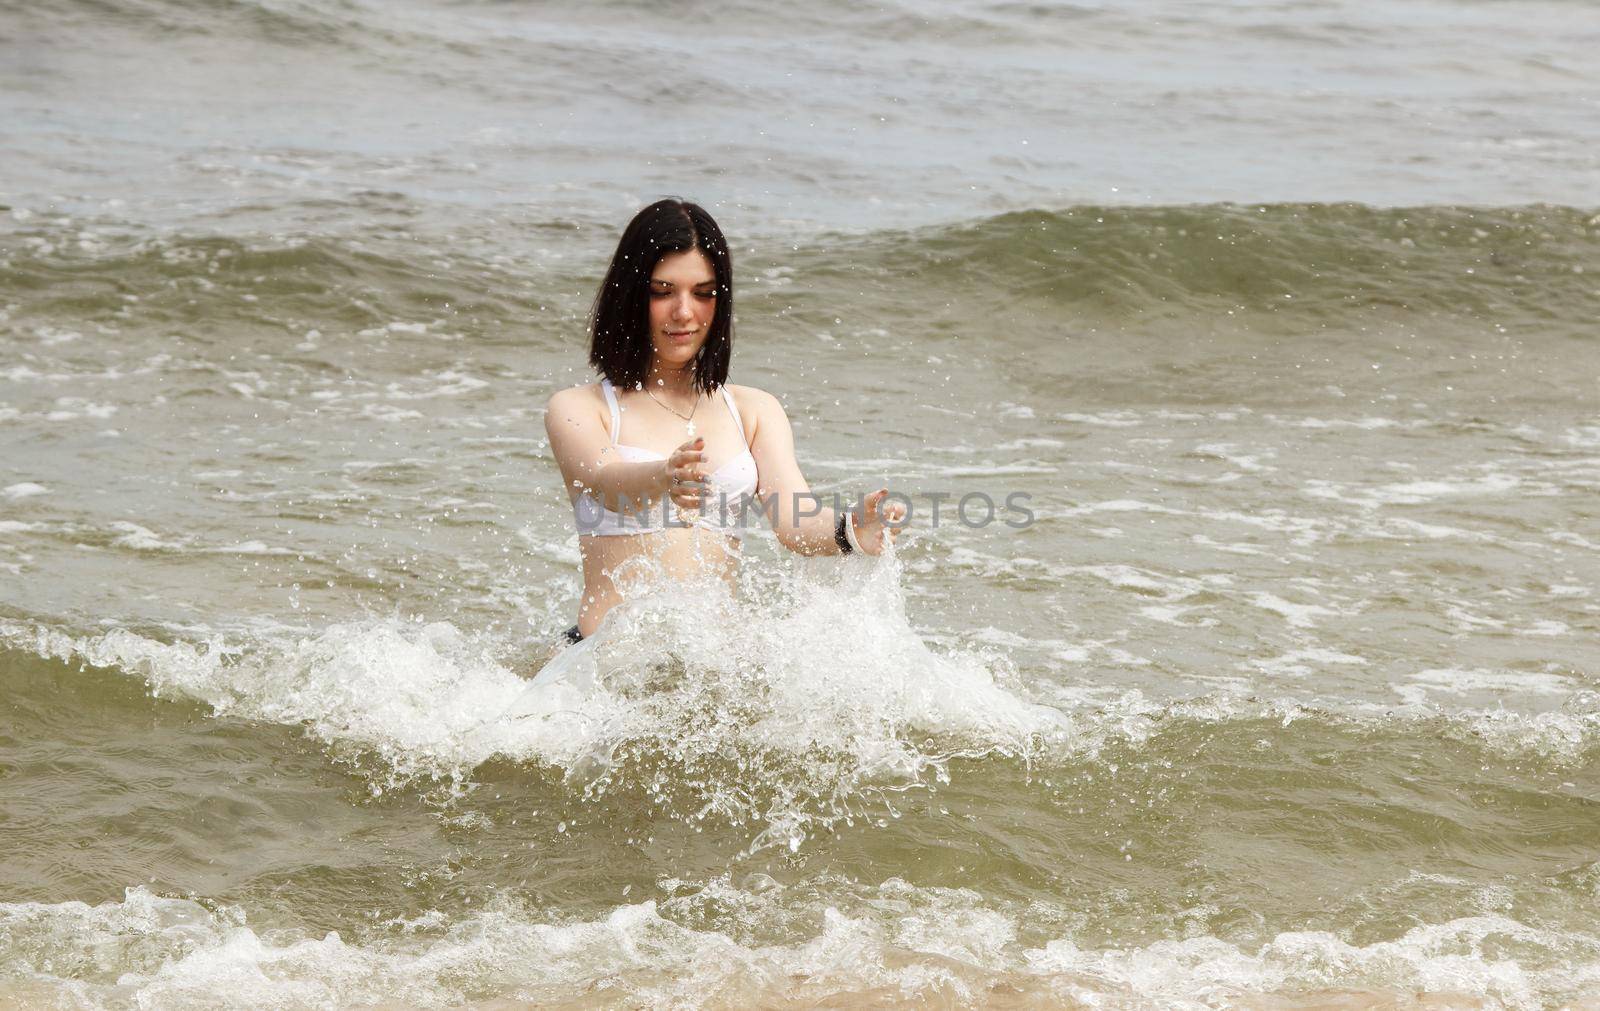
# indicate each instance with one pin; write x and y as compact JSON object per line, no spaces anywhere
{"x":619,"y":329}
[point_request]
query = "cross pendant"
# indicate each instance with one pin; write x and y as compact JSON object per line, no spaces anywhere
{"x":689,"y":427}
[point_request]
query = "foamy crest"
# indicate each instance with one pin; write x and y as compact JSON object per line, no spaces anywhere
{"x":892,"y":941}
{"x":137,"y":538}
{"x":1583,"y":436}
{"x":1488,"y":484}
{"x":410,"y":692}
{"x":1302,"y":663}
{"x":22,"y":490}
{"x":816,"y":688}
{"x":1445,"y":959}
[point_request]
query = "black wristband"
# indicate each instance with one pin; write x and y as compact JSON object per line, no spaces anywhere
{"x":839,"y":536}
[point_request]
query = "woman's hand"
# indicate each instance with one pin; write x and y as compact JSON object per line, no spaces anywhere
{"x":685,"y":481}
{"x":879,"y":520}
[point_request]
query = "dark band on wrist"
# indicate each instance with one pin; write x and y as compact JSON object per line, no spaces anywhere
{"x":839,"y":536}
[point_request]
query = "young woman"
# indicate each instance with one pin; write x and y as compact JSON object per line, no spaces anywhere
{"x":663,"y":456}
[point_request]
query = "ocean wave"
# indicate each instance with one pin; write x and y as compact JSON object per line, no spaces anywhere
{"x":127,"y":279}
{"x":890,"y":942}
{"x":1231,"y":266}
{"x":1302,"y":262}
{"x":787,"y":714}
{"x":334,"y":25}
{"x":750,"y":712}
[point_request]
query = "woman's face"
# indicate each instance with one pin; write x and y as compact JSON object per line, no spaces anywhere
{"x":683,"y":301}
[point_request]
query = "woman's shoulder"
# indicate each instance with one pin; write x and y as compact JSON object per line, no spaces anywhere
{"x":750,"y":398}
{"x":576,"y":405}
{"x":756,"y":407}
{"x":575,"y":396}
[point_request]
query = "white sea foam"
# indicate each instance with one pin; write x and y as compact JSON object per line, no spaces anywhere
{"x":1119,"y":506}
{"x":1232,"y":549}
{"x":1035,"y":442}
{"x":1466,"y":681}
{"x":138,"y":538}
{"x":1366,"y":424}
{"x":1405,"y":527}
{"x":1171,"y":615}
{"x":1414,"y":492}
{"x":1467,"y":620}
{"x":1127,"y":577}
{"x":994,"y":469}
{"x":1105,"y":419}
{"x":51,"y":336}
{"x":66,"y":409}
{"x":1301,"y":663}
{"x":132,"y":535}
{"x":1248,"y":462}
{"x":1576,"y":540}
{"x":1098,"y":651}
{"x":1583,"y":436}
{"x":408,"y":691}
{"x":564,"y":552}
{"x":1297,"y":615}
{"x":891,"y":940}
{"x":1302,"y":530}
{"x":452,"y":384}
{"x":832,"y":669}
{"x":1545,"y":626}
{"x":253,"y":548}
{"x":386,"y":412}
{"x":986,"y":565}
{"x":22,"y":490}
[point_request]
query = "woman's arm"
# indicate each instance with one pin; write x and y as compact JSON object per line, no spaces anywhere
{"x":575,"y":423}
{"x":801,"y":523}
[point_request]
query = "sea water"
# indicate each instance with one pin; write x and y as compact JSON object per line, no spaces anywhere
{"x":1279,"y":317}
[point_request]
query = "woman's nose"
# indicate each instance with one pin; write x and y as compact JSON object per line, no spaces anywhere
{"x":681,"y":309}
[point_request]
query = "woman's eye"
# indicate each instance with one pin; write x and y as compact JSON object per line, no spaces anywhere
{"x":706,"y":294}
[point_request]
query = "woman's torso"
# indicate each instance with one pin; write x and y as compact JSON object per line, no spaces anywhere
{"x":643,"y":430}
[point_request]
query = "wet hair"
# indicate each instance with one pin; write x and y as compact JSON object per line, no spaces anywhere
{"x":619,"y":327}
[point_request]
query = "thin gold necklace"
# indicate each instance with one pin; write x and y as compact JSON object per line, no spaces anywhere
{"x":687,"y":418}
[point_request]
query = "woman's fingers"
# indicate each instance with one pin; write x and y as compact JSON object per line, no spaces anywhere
{"x":685,"y":480}
{"x":691,"y":451}
{"x":683,"y":466}
{"x":893,"y":512}
{"x":886,"y":517}
{"x":874,"y":503}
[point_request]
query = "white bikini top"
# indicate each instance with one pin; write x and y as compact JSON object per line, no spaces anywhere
{"x":726,"y":491}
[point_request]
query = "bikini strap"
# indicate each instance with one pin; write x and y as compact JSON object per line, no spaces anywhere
{"x":616,"y":414}
{"x":733,"y":409}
